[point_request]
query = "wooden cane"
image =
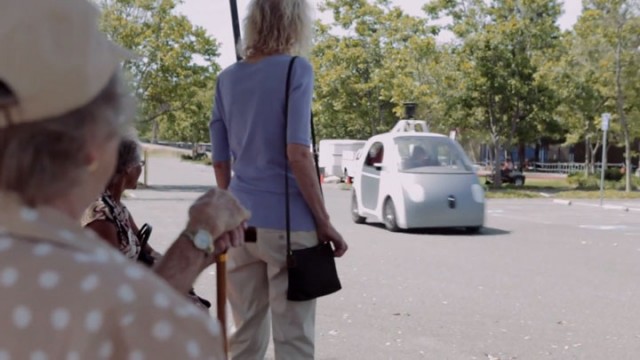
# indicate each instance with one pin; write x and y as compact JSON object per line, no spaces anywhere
{"x":221,"y":298}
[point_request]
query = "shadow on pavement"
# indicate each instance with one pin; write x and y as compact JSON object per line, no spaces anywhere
{"x":485,"y":231}
{"x":179,"y":188}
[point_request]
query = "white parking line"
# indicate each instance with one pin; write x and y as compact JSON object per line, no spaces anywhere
{"x":603,"y":227}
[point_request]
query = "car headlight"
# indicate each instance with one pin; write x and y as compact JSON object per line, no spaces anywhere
{"x":477,"y":192}
{"x":415,"y":192}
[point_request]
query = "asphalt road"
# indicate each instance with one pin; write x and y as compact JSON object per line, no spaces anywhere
{"x":542,"y":281}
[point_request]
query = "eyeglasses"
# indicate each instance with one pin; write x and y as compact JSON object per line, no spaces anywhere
{"x":140,"y":163}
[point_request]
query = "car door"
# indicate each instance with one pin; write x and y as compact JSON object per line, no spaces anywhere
{"x":370,"y":177}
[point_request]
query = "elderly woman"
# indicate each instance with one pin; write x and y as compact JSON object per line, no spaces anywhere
{"x":108,"y":216}
{"x":248,"y":124}
{"x":65,"y":293}
{"x":110,"y":219}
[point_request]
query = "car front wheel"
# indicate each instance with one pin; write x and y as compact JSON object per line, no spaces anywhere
{"x":389,"y":216}
{"x":355,"y":214}
{"x":519,"y":181}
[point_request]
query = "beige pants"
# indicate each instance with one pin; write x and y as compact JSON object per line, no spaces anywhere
{"x":257,"y":283}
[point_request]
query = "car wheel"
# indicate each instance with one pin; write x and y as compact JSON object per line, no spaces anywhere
{"x":519,"y":181}
{"x":355,"y":215}
{"x":473,"y":229}
{"x":389,"y":216}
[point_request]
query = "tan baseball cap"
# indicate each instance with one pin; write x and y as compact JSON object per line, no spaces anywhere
{"x":53,"y":58}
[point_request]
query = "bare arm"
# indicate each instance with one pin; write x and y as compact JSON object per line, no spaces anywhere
{"x":181,"y":264}
{"x":220,"y":142}
{"x":217,"y":212}
{"x":303,"y":169}
{"x":179,"y":268}
{"x":222,"y":170}
{"x":107,"y":231}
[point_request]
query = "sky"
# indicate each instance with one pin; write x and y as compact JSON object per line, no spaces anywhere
{"x":215,"y":17}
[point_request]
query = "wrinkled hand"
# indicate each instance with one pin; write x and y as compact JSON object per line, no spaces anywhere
{"x":221,"y":214}
{"x":233,"y":238}
{"x":327,"y":233}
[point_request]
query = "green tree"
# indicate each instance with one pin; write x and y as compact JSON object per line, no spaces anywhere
{"x":577,"y":77}
{"x":615,"y":26}
{"x":373,"y":58}
{"x":503,"y":45}
{"x":175,"y":68}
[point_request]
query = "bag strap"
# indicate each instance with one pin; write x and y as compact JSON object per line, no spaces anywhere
{"x":286,"y":163}
{"x":111,"y":207}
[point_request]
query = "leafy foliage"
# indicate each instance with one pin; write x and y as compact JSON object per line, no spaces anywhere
{"x":509,"y":77}
{"x":175,"y":70}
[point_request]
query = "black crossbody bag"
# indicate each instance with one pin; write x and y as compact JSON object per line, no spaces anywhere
{"x":312,"y":271}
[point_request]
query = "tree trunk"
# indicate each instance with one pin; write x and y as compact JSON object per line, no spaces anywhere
{"x":155,"y":132}
{"x":627,"y":162}
{"x":623,"y":120}
{"x":638,"y":159}
{"x":521,"y":155}
{"x":587,"y":155}
{"x":497,"y":176}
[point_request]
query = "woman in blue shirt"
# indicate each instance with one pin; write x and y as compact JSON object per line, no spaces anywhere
{"x":248,"y":136}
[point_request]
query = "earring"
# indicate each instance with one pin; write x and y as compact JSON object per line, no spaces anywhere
{"x":93,"y":167}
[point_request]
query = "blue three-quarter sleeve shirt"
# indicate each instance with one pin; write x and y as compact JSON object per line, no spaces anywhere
{"x":248,"y":129}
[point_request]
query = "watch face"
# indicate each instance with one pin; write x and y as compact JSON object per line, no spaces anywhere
{"x":203,"y":240}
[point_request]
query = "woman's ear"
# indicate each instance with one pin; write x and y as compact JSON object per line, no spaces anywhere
{"x":91,"y":160}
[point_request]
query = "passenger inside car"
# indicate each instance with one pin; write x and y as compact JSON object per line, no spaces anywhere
{"x":420,"y":157}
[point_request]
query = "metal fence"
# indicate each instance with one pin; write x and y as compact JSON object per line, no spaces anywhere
{"x":554,"y":168}
{"x":567,"y":168}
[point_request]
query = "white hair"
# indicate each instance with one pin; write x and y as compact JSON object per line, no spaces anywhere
{"x":278,"y":27}
{"x":45,"y":159}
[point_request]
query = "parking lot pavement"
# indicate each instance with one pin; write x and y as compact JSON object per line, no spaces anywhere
{"x":542,"y":281}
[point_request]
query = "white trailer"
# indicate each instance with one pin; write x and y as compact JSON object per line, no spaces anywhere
{"x":350,"y":162}
{"x":330,"y":157}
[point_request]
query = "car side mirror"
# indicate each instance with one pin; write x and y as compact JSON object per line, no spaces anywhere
{"x":378,"y":166}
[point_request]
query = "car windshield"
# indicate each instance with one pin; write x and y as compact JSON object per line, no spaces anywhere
{"x":431,"y":154}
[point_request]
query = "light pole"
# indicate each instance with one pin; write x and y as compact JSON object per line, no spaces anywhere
{"x":221,"y":263}
{"x":235,"y":22}
{"x":605,"y":126}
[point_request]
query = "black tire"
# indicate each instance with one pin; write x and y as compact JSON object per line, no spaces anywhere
{"x":518,"y":181}
{"x":389,"y":216}
{"x":473,"y":229}
{"x":355,"y":216}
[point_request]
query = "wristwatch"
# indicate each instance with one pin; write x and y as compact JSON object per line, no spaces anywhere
{"x":201,"y":239}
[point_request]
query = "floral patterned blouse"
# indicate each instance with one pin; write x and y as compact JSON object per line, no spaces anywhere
{"x":106,"y":208}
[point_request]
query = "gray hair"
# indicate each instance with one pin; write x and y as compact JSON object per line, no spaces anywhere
{"x":43,"y":160}
{"x":128,"y":154}
{"x":278,"y":27}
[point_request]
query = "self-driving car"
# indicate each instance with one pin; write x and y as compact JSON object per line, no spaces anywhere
{"x":417,"y":179}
